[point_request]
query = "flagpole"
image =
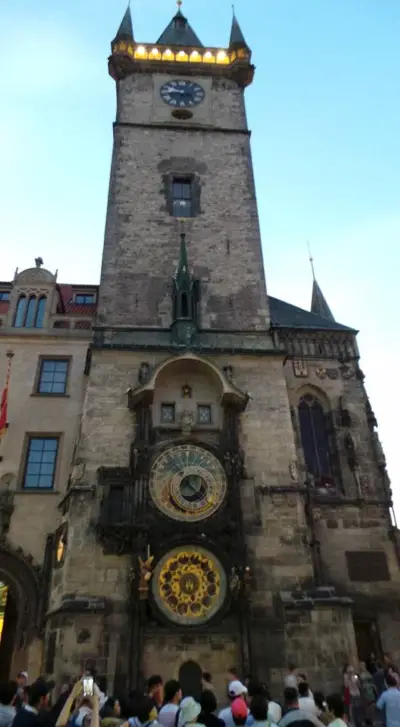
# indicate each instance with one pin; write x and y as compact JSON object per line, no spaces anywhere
{"x":4,"y":398}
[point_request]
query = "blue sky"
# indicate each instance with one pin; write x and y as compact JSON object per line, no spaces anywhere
{"x":324,"y":110}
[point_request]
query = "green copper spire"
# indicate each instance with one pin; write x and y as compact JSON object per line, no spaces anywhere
{"x":183,"y":261}
{"x":125,"y":30}
{"x":237,"y":38}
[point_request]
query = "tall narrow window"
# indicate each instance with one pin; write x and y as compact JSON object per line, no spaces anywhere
{"x":31,"y":312}
{"x":20,"y":314}
{"x":184,"y":306}
{"x":182,"y":197}
{"x":41,"y":307}
{"x":40,"y":465}
{"x":314,"y":437}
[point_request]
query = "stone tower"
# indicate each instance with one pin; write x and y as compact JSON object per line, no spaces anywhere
{"x":227,"y":476}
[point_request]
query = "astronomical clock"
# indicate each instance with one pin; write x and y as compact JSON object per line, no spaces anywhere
{"x":189,"y":584}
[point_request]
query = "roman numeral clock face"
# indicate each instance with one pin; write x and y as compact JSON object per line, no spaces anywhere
{"x":182,"y":94}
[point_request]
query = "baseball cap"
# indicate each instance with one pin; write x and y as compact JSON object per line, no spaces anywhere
{"x":236,"y":689}
{"x":239,"y":709}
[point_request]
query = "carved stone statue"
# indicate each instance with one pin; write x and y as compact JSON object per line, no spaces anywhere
{"x":146,"y":572}
{"x":351,"y":451}
{"x":293,"y":471}
{"x":379,"y":453}
{"x":77,"y":472}
{"x":345,"y":416}
{"x":228,"y":371}
{"x":144,"y":373}
{"x":187,"y":422}
{"x":6,"y":510}
{"x":234,"y":582}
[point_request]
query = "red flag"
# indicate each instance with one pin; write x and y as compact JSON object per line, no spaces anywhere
{"x":4,"y":401}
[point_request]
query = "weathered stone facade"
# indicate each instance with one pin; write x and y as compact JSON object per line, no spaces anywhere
{"x":309,"y":558}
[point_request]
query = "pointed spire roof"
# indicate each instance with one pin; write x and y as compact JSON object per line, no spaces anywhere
{"x":125,"y":30}
{"x":237,"y":38}
{"x":319,"y":304}
{"x":179,"y":32}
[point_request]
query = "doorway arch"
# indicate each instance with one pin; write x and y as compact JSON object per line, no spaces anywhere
{"x":190,"y":679}
{"x":21,"y":618}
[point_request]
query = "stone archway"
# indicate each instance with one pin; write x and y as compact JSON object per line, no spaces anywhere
{"x":22,"y":615}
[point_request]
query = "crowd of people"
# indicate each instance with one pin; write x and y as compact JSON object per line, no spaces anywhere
{"x":370,"y":696}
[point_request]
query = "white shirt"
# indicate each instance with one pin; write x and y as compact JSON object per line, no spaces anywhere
{"x":274,"y":712}
{"x":167,"y":714}
{"x":308,"y":704}
{"x":290,"y":680}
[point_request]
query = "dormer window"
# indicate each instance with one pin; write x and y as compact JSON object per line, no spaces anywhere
{"x":85,"y":299}
{"x":30,"y":311}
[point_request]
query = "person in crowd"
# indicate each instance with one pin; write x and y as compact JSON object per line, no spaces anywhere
{"x":389,"y":702}
{"x":324,"y":714}
{"x":207,"y":682}
{"x":172,"y":699}
{"x":379,"y":678}
{"x":303,"y":678}
{"x":110,"y":713}
{"x":258,"y":689}
{"x":394,"y":673}
{"x":189,"y":712}
{"x":232,"y":675}
{"x":294,"y":715}
{"x":367,"y":687}
{"x":22,"y":683}
{"x":83,"y":710}
{"x":7,"y":698}
{"x":28,"y":715}
{"x":305,"y":701}
{"x":290,"y":679}
{"x":236,"y":690}
{"x":371,"y":663}
{"x":336,"y":707}
{"x":259,"y":712}
{"x":352,"y":691}
{"x":144,"y":713}
{"x":208,"y":708}
{"x":239,"y":712}
{"x":155,"y":690}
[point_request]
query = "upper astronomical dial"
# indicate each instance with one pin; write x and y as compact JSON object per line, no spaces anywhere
{"x":187,"y":483}
{"x":182,"y":93}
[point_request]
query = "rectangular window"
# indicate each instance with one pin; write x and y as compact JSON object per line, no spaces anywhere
{"x":53,"y":376}
{"x":4,"y":295}
{"x":182,"y":197}
{"x":85,"y":299}
{"x":167,"y":413}
{"x":368,"y":566}
{"x":40,"y":465}
{"x":204,"y":414}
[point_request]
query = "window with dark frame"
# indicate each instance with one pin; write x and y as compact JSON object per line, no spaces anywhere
{"x":182,"y":197}
{"x":30,"y":312}
{"x":314,"y":437}
{"x":53,"y":376}
{"x":85,"y":299}
{"x":167,"y":413}
{"x":40,"y":465}
{"x":204,"y":414}
{"x":4,"y":295}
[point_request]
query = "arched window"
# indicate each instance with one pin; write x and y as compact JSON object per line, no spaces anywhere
{"x":41,"y":307}
{"x":30,"y":313}
{"x":20,"y":313}
{"x":314,"y":437}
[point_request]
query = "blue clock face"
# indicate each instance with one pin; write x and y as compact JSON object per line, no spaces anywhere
{"x":182,"y":94}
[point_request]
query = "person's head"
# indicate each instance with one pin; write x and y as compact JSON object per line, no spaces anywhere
{"x":387,"y":659}
{"x":172,"y":692}
{"x":259,"y":708}
{"x":7,"y":693}
{"x":239,"y":711}
{"x":349,"y":669}
{"x":22,"y":679}
{"x":110,"y":708}
{"x":291,"y":697}
{"x":236,"y":690}
{"x":38,"y":694}
{"x":303,"y":689}
{"x":257,"y":689}
{"x":336,"y":705}
{"x":320,"y":701}
{"x":155,"y":688}
{"x":207,"y":677}
{"x":292,"y":668}
{"x":303,"y":677}
{"x":144,"y":709}
{"x":232,"y":674}
{"x":208,"y":702}
{"x":190,"y":710}
{"x":391,"y":680}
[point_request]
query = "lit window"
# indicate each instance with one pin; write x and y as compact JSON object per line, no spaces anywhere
{"x":182,"y":197}
{"x":204,"y":414}
{"x":167,"y":413}
{"x":40,"y":463}
{"x":85,"y":299}
{"x":53,"y":376}
{"x":4,"y":295}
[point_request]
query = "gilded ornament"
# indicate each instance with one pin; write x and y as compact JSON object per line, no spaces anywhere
{"x":321,"y":373}
{"x":189,"y":585}
{"x":146,"y":572}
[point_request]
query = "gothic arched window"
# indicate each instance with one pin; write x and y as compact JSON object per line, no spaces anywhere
{"x":20,"y":313}
{"x":30,"y":313}
{"x":41,"y":306}
{"x":314,"y":437}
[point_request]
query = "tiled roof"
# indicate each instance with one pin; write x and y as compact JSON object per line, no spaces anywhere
{"x":67,"y":303}
{"x":179,"y":32}
{"x":319,"y":304}
{"x":285,"y":315}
